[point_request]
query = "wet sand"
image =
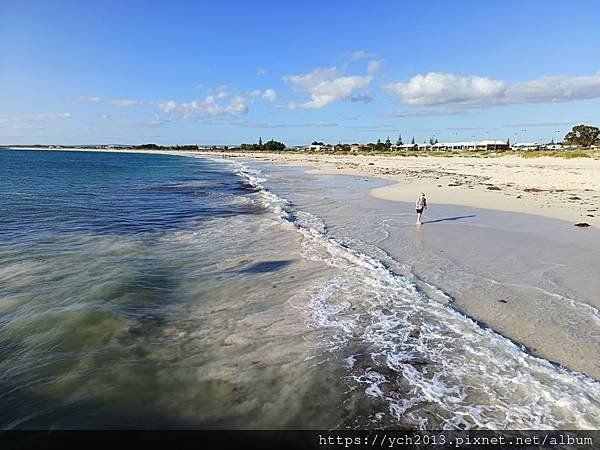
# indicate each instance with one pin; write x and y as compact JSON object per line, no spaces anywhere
{"x":530,"y":278}
{"x":565,"y":189}
{"x":343,"y":313}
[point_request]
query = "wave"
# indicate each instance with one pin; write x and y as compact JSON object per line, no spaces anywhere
{"x":421,"y":362}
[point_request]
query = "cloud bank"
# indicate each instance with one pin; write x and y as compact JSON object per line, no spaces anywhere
{"x":36,"y":118}
{"x":207,"y":107}
{"x":325,"y":86}
{"x":437,"y":89}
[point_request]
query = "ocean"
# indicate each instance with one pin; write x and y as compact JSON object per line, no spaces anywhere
{"x":165,"y":291}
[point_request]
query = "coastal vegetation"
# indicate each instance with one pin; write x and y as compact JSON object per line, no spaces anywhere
{"x":583,"y":135}
{"x":583,"y":141}
{"x":269,"y":146}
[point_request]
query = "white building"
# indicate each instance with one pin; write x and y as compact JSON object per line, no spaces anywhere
{"x":526,"y":146}
{"x":456,"y":146}
{"x":494,"y":145}
{"x":319,"y":147}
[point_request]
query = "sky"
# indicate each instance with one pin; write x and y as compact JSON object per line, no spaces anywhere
{"x":209,"y":73}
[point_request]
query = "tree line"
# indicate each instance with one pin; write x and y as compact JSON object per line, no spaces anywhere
{"x":583,"y":135}
{"x":580,"y":135}
{"x":269,"y":146}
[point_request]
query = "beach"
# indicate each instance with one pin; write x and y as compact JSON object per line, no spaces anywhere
{"x":520,"y":240}
{"x":523,"y":278}
{"x":565,"y":189}
{"x":277,"y":292}
{"x":549,"y":196}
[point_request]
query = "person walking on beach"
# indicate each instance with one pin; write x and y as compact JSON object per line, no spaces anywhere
{"x":421,"y":205}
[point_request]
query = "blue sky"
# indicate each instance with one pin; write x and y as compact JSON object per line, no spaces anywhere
{"x":228,"y":72}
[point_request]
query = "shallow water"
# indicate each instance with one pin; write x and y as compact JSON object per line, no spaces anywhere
{"x":149,"y":291}
{"x":414,"y":358}
{"x":220,"y":295}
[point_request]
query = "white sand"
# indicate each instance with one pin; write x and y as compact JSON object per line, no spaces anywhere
{"x":567,"y":189}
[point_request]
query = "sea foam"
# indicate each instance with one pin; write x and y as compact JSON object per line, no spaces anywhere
{"x":427,"y":364}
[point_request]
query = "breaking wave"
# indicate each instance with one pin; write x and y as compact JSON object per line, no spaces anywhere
{"x":418,"y":361}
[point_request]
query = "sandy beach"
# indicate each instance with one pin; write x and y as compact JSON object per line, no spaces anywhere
{"x":307,"y":278}
{"x":565,"y":189}
{"x":517,"y":263}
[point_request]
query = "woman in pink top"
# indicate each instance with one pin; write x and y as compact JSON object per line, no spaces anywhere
{"x":421,"y":205}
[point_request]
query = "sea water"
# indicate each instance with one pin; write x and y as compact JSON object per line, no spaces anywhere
{"x":145,"y":291}
{"x":150,"y":291}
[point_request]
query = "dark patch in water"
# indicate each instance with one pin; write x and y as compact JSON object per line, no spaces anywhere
{"x":266,"y":266}
{"x":52,"y":193}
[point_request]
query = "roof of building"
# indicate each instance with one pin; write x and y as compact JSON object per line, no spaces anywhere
{"x":468,"y":143}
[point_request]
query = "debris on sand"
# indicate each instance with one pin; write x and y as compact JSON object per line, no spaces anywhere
{"x":582,"y":224}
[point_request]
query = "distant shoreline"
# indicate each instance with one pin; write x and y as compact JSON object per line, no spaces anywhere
{"x":592,"y":153}
{"x":558,"y":188}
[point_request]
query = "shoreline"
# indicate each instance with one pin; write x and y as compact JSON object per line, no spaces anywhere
{"x":527,"y":278}
{"x":518,"y":282}
{"x":549,"y":187}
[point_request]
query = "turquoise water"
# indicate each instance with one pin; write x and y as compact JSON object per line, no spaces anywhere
{"x":152,"y":291}
{"x":146,"y":291}
{"x":48,"y":193}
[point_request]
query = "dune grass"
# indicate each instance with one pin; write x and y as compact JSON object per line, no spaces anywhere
{"x":565,"y":154}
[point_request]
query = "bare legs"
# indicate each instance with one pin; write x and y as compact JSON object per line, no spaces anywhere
{"x":418,"y":218}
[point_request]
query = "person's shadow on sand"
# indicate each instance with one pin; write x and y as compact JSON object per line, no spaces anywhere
{"x":449,"y":218}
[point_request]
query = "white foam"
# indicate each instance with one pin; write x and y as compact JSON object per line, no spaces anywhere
{"x":468,"y":376}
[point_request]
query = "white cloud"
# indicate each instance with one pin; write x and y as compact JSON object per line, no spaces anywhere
{"x":423,"y":112}
{"x":260,"y":72}
{"x":434,"y":89}
{"x":221,"y":91}
{"x":236,"y":106}
{"x":556,"y":89}
{"x":360,"y":54}
{"x":167,"y":106}
{"x":374,"y":65}
{"x":269,"y":95}
{"x":110,"y":121}
{"x":255,"y":93}
{"x":325,"y":86}
{"x":444,"y":88}
{"x":126,"y":103}
{"x":92,"y":99}
{"x":36,"y":118}
{"x":274,"y":125}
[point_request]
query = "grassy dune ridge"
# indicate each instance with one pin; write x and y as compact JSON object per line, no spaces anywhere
{"x":565,"y":154}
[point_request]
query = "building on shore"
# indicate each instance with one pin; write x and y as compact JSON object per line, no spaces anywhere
{"x":319,"y":147}
{"x":357,"y":148}
{"x":526,"y":146}
{"x":456,"y":146}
